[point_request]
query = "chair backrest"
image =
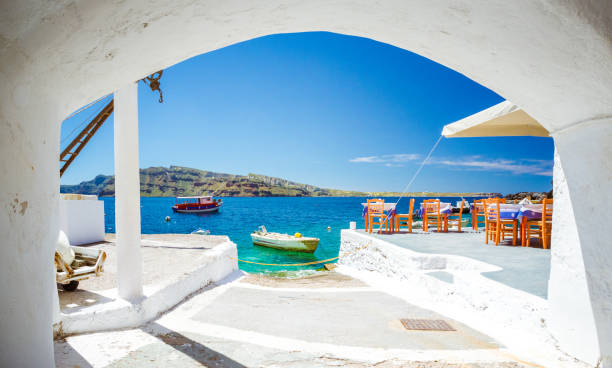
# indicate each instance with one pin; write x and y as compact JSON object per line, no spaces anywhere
{"x":376,"y":206}
{"x":411,"y":210}
{"x":431,"y":207}
{"x":479,"y":206}
{"x":492,"y":212}
{"x":547,"y":210}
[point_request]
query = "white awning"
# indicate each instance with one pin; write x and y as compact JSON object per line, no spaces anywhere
{"x":503,"y":119}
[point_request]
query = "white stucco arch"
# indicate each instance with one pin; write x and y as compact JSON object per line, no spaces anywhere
{"x":552,"y":58}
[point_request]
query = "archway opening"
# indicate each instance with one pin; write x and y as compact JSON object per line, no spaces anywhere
{"x":321,"y":113}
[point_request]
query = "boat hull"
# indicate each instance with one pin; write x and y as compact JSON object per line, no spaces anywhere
{"x":307,"y":245}
{"x":196,"y":210}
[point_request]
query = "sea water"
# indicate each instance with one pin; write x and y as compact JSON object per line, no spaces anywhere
{"x":320,"y":217}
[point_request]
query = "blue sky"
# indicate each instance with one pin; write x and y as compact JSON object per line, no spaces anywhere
{"x":324,"y":109}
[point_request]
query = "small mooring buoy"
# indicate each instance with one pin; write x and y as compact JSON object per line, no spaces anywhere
{"x":167,"y":218}
{"x":329,"y":228}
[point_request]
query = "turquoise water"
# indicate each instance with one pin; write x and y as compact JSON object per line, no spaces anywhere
{"x":240,"y":216}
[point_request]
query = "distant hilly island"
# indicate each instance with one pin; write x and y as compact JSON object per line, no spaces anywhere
{"x":176,"y":181}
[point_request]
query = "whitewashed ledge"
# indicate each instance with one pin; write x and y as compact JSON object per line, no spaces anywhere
{"x":218,"y":264}
{"x":513,"y":317}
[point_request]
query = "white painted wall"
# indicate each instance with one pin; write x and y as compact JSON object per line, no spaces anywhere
{"x":586,"y":159}
{"x":82,"y":220}
{"x":552,"y":58}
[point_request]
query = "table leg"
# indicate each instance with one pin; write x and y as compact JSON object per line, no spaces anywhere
{"x":523,"y":232}
{"x":446,"y":222}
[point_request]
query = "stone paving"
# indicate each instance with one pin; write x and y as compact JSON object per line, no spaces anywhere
{"x":327,"y":320}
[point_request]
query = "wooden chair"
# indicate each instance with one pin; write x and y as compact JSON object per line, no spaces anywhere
{"x":456,"y":218}
{"x":495,"y":227}
{"x":478,"y":210}
{"x":432,"y":215}
{"x":405,"y":217}
{"x":541,"y":228}
{"x":376,"y":210}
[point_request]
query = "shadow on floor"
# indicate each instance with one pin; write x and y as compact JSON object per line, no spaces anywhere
{"x":200,"y":353}
{"x":67,"y":357}
{"x":74,"y":301}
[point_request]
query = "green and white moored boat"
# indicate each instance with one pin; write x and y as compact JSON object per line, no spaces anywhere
{"x":297,"y":242}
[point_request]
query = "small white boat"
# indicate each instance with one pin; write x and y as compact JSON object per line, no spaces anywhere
{"x":297,"y":242}
{"x":201,"y":232}
{"x":457,"y":207}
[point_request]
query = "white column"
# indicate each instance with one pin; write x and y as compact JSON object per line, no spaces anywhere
{"x":127,"y":193}
{"x":585,"y":155}
{"x":571,"y":318}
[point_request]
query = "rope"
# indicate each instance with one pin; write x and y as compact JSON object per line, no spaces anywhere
{"x":85,"y":107}
{"x":83,"y":123}
{"x":419,"y":169}
{"x":306,"y":263}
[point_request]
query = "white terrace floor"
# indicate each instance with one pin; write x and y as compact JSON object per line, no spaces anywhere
{"x":321,"y":321}
{"x":494,"y":296}
{"x":522,"y":268}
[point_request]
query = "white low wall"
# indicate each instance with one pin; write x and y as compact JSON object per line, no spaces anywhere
{"x":515,"y":318}
{"x":82,"y":220}
{"x":220,"y":263}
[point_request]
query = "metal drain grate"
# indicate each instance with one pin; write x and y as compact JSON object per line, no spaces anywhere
{"x":426,"y":324}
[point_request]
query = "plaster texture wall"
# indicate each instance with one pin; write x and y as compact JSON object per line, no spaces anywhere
{"x":586,"y":160}
{"x":29,"y":224}
{"x":82,"y":220}
{"x":552,"y":58}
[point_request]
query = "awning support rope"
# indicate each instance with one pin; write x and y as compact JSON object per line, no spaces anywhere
{"x":419,"y":169}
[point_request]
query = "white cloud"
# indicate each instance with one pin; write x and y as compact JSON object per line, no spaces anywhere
{"x":388,"y":160}
{"x":516,"y":167}
{"x":474,"y":163}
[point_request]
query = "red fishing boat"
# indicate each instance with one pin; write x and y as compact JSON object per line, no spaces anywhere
{"x":199,"y":204}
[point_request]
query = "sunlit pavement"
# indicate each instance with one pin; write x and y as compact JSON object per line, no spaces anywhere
{"x":253,"y":321}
